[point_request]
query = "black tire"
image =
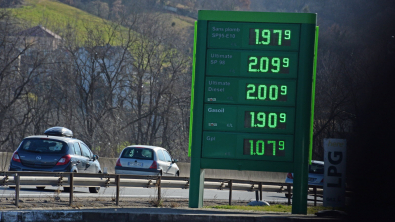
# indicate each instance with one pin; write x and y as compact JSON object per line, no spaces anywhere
{"x":177,"y":174}
{"x":94,"y":189}
{"x":67,"y":189}
{"x":286,"y":195}
{"x":40,"y":188}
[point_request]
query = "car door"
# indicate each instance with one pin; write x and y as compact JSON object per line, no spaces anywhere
{"x":80,"y":163}
{"x":87,"y":159}
{"x":163,"y":164}
{"x":94,"y":163}
{"x":171,"y":170}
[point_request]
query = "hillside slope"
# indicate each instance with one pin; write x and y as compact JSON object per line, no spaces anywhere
{"x":57,"y":16}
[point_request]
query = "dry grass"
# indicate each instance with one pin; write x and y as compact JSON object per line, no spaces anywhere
{"x":280,"y":208}
{"x":174,"y":205}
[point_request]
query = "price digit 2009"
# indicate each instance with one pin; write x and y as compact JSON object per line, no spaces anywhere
{"x":265,"y":92}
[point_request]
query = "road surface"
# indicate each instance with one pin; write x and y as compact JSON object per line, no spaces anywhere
{"x":81,"y":192}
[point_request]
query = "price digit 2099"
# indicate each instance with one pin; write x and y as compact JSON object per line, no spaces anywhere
{"x":268,"y":64}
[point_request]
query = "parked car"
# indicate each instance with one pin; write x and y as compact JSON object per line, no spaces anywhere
{"x":316,"y":174}
{"x":56,"y":151}
{"x":147,"y":161}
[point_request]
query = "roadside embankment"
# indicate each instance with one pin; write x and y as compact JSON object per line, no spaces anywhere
{"x":153,"y":214}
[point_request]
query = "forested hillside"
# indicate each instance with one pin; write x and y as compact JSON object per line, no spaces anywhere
{"x":355,"y":36}
{"x":113,"y":83}
{"x":356,"y":52}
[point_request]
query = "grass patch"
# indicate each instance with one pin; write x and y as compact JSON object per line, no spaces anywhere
{"x":55,"y":16}
{"x":181,"y":22}
{"x":279,"y":208}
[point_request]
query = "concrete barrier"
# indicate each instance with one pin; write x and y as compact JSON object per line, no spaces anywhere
{"x":5,"y":158}
{"x":184,"y":170}
{"x":210,"y":173}
{"x":109,"y":163}
{"x":154,"y":214}
{"x":235,"y":174}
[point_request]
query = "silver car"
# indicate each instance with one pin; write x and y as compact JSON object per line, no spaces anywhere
{"x":316,"y":174}
{"x":147,"y":161}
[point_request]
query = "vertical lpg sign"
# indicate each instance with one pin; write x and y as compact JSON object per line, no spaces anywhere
{"x":335,"y":172}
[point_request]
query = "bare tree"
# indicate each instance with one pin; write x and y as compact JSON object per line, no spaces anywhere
{"x":128,"y":83}
{"x":23,"y":103}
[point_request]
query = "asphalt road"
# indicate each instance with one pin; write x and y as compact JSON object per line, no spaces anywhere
{"x":32,"y":192}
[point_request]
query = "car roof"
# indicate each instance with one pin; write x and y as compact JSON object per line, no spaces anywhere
{"x":61,"y":138}
{"x":145,"y":146}
{"x":318,"y":162}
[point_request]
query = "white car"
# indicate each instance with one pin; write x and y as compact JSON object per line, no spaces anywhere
{"x":147,"y":161}
{"x":316,"y":174}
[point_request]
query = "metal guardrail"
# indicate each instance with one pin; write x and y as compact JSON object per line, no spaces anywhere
{"x":68,"y":179}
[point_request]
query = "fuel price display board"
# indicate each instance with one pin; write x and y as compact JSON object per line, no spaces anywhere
{"x":252,"y":89}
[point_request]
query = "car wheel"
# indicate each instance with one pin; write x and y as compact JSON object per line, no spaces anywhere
{"x":177,"y":174}
{"x":94,"y":189}
{"x":40,"y":188}
{"x":67,"y":189}
{"x":286,"y":195}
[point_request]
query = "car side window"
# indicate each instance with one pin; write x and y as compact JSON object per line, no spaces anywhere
{"x":167,"y":156}
{"x":161,"y":156}
{"x":316,"y":168}
{"x":85,"y":151}
{"x":77,"y":150}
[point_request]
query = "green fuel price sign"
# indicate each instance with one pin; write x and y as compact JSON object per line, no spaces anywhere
{"x":261,"y":119}
{"x":266,"y":36}
{"x":252,"y":93}
{"x":248,"y":63}
{"x":254,"y":146}
{"x":273,"y":37}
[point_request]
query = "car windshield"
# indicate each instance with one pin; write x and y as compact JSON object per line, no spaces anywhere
{"x":138,"y":153}
{"x":316,"y":168}
{"x":43,"y":146}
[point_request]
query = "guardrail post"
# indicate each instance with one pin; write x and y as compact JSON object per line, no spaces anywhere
{"x":256,"y":196}
{"x":117,"y":181}
{"x":5,"y":180}
{"x":260,"y":190}
{"x":289,"y":194}
{"x":71,"y":194}
{"x":17,"y":188}
{"x":315,"y":195}
{"x":230,"y":192}
{"x":159,"y":189}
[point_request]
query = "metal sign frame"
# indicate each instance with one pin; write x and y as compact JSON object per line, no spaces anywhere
{"x":304,"y":24}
